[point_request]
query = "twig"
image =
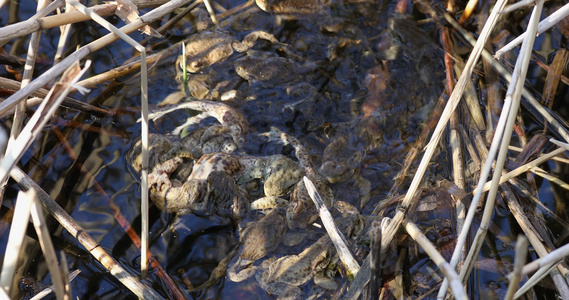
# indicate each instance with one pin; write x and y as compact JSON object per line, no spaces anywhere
{"x":34,"y":24}
{"x":508,"y":77}
{"x":38,"y":120}
{"x":85,"y":239}
{"x":545,"y":24}
{"x":338,"y":239}
{"x":15,"y":241}
{"x":513,"y":94}
{"x":86,"y":50}
{"x":520,"y":259}
{"x":449,"y":272}
{"x":527,"y":167}
{"x":40,"y":225}
{"x":144,"y":125}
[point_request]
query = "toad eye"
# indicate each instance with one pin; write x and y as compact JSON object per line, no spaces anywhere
{"x":196,"y":65}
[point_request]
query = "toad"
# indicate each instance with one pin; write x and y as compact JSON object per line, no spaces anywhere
{"x":292,"y":9}
{"x":279,"y":173}
{"x":301,"y":212}
{"x":230,"y":118}
{"x":206,"y":48}
{"x":272,"y":70}
{"x":256,"y":241}
{"x":209,"y":188}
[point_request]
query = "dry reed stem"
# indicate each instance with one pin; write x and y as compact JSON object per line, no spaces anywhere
{"x":531,"y":233}
{"x":506,"y":120}
{"x":19,"y":112}
{"x":527,"y":167}
{"x":65,"y":274}
{"x":375,"y":260}
{"x":34,"y":127}
{"x":553,"y":257}
{"x":508,"y":77}
{"x":472,"y":103}
{"x":518,"y":5}
{"x":451,"y":105}
{"x":449,"y":272}
{"x":555,"y":158}
{"x":513,"y":95}
{"x":542,"y":173}
{"x":85,"y":239}
{"x":38,"y":218}
{"x":144,"y":125}
{"x":545,"y":24}
{"x":39,"y":14}
{"x":86,"y":50}
{"x":468,"y":11}
{"x":211,"y":12}
{"x":15,"y":241}
{"x":337,"y":238}
{"x":519,"y":261}
{"x":41,"y":93}
{"x":457,"y":167}
{"x":363,"y":276}
{"x":70,"y":277}
{"x":24,"y":28}
{"x":26,"y":78}
{"x":172,"y":21}
{"x":126,"y":69}
{"x":63,"y":37}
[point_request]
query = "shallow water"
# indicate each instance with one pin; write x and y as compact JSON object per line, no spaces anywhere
{"x":374,"y":88}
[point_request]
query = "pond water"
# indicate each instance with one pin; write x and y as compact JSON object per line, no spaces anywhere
{"x":354,"y":82}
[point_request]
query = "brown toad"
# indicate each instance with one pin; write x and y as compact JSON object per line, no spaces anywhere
{"x":256,"y":241}
{"x":284,"y":275}
{"x":209,"y":47}
{"x":230,"y":118}
{"x":207,"y":190}
{"x":279,"y":173}
{"x":272,"y":70}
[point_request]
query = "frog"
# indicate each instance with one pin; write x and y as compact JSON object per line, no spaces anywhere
{"x":256,"y":241}
{"x":390,"y":118}
{"x":209,"y":47}
{"x":340,"y":163}
{"x":230,"y":118}
{"x":278,"y":172}
{"x":209,"y":188}
{"x":302,"y":212}
{"x":272,"y":70}
{"x":293,"y":9}
{"x":284,"y":275}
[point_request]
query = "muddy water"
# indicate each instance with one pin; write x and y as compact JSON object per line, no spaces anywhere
{"x":353,"y":82}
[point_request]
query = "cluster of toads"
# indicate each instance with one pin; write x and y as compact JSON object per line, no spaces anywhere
{"x":303,"y":84}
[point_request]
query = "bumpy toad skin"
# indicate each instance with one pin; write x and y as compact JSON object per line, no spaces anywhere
{"x":302,"y":211}
{"x":257,"y":240}
{"x":209,"y":47}
{"x":287,"y":273}
{"x":228,"y":116}
{"x":269,"y":70}
{"x":341,"y":162}
{"x":278,"y":173}
{"x":209,"y":188}
{"x":293,"y":7}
